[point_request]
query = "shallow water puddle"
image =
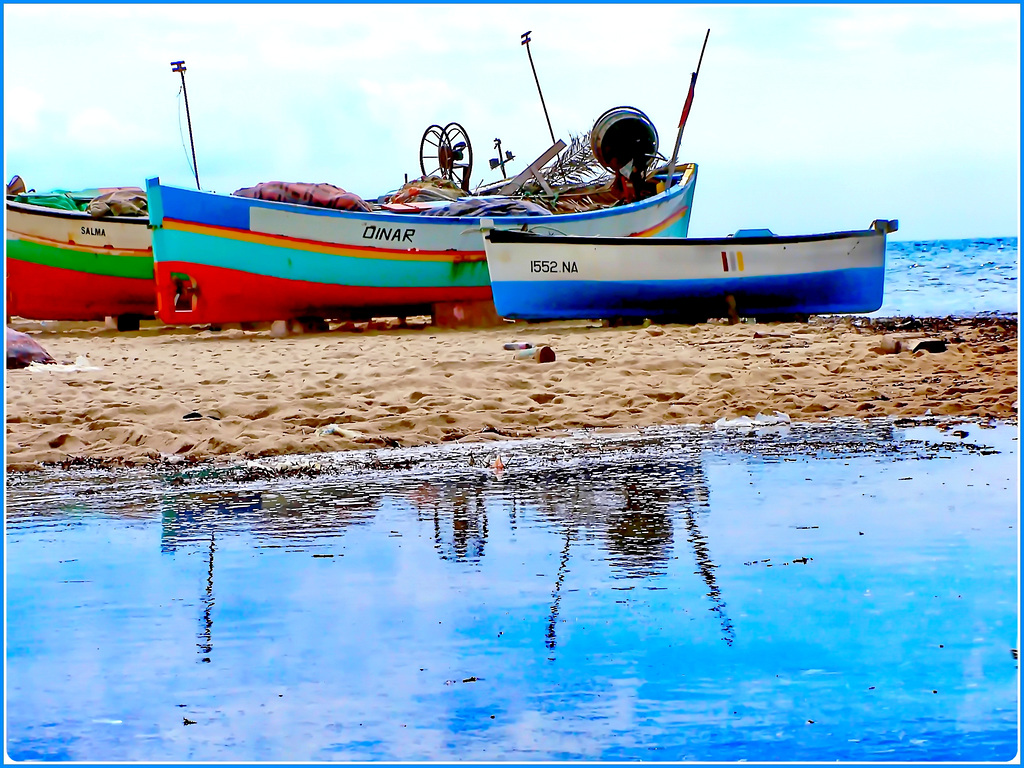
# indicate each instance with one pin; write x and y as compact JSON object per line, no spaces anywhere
{"x":841,"y":591}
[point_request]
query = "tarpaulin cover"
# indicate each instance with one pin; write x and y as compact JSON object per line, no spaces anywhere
{"x":60,"y":199}
{"x":319,"y":195}
{"x":481,"y":206}
{"x":120,"y":202}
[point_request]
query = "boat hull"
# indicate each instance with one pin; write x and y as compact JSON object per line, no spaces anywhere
{"x":549,"y":278}
{"x":64,"y":265}
{"x":225,"y":259}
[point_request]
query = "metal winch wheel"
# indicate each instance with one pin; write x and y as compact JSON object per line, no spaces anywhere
{"x":446,"y":152}
{"x":622,"y":135}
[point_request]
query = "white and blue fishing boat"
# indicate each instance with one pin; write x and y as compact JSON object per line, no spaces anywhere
{"x":753,"y":273}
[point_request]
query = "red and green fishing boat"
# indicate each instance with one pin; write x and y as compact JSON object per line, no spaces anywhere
{"x":64,"y":263}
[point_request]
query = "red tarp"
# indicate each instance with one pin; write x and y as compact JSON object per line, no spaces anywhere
{"x":319,"y":195}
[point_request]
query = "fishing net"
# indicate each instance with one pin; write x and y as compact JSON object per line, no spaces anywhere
{"x":480,"y":207}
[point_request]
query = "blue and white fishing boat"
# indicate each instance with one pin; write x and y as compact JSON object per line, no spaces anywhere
{"x":753,"y":273}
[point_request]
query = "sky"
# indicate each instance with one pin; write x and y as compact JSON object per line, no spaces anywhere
{"x":806,"y":118}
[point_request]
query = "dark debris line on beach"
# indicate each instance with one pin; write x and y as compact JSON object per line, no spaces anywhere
{"x":839,"y":438}
{"x":998,"y":327}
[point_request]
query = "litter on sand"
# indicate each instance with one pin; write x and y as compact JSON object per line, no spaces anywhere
{"x":746,"y":422}
{"x":340,"y":431}
{"x":81,"y":364}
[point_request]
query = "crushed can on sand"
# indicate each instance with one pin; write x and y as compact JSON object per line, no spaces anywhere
{"x":541,"y":354}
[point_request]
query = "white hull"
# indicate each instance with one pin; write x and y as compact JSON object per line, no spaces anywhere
{"x":536,"y":277}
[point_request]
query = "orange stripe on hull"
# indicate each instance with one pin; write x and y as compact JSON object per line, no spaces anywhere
{"x":651,"y":231}
{"x":102,"y":250}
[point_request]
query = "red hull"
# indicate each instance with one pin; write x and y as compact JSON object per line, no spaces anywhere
{"x":232,"y":296}
{"x":40,"y":292}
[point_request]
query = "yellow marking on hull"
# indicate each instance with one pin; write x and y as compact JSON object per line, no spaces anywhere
{"x":739,"y":260}
{"x":351,"y":251}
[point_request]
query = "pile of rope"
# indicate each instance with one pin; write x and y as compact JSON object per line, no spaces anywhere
{"x":427,"y":189}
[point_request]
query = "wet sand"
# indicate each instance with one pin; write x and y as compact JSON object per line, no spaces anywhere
{"x":165,"y":393}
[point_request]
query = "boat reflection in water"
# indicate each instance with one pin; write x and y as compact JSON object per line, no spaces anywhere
{"x":627,"y":510}
{"x":703,"y":593}
{"x":628,"y":503}
{"x":603,"y":496}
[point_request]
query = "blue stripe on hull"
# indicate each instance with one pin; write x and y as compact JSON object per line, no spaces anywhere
{"x":839,"y":291}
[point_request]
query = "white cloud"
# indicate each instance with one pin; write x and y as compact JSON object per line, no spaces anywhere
{"x":95,"y":127}
{"x":23,"y":109}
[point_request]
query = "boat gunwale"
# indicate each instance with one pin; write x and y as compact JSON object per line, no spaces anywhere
{"x":676,"y":190}
{"x":62,"y":213}
{"x":496,"y":235}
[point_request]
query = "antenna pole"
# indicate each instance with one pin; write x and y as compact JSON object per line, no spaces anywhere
{"x":179,"y":66}
{"x":526,"y":41}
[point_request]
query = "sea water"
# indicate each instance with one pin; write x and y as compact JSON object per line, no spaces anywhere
{"x":963,"y":278}
{"x":840,"y":591}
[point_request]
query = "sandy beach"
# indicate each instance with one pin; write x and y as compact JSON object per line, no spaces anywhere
{"x":166,"y":393}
